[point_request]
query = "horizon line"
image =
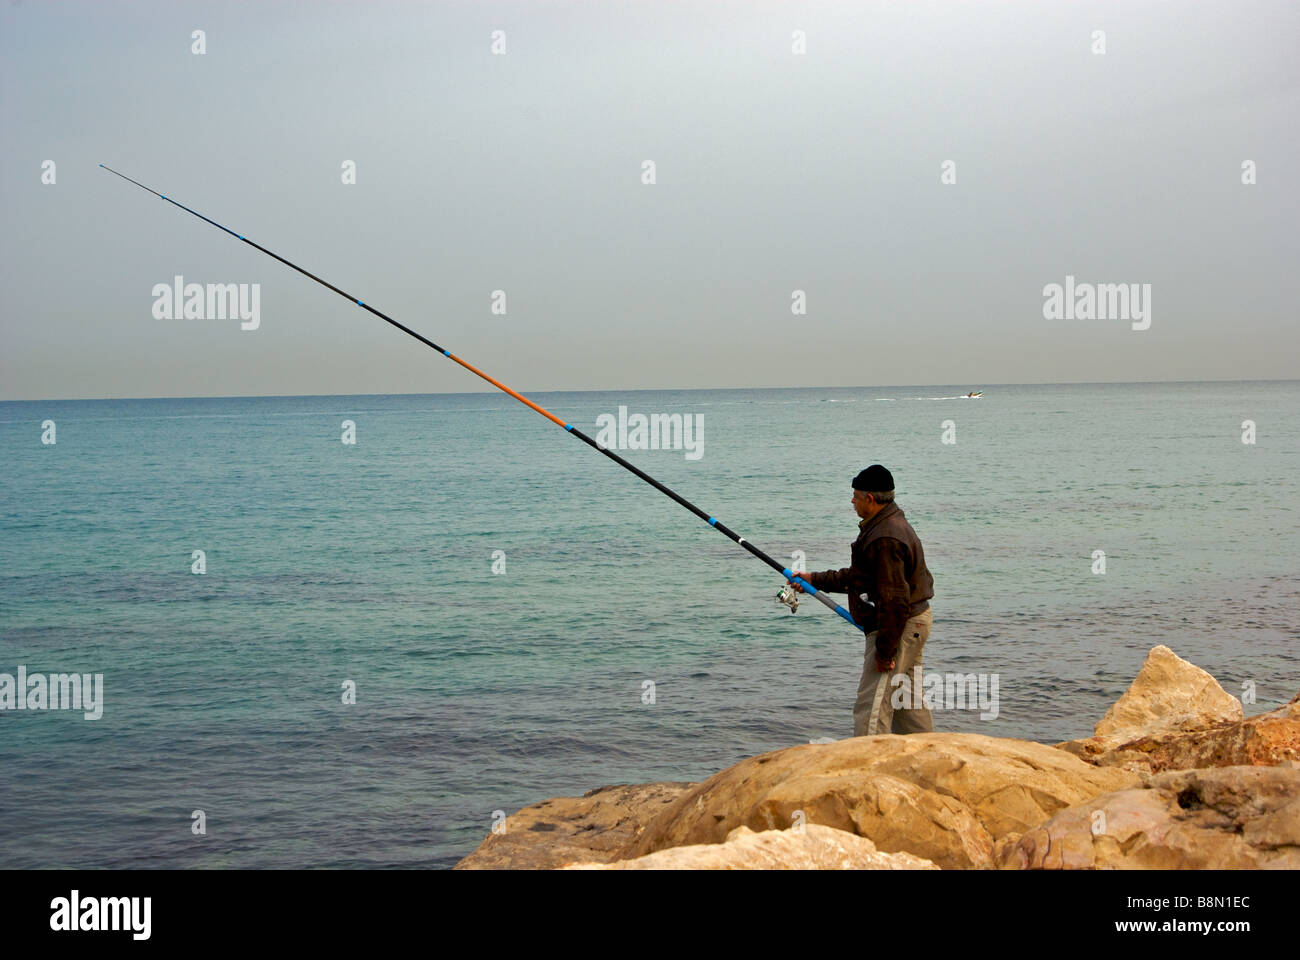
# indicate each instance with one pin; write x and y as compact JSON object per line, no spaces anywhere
{"x":463,"y":393}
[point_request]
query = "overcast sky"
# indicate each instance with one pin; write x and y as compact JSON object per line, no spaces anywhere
{"x":775,"y":172}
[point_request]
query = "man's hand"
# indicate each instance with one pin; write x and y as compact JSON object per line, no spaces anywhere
{"x":884,"y":666}
{"x":802,"y":576}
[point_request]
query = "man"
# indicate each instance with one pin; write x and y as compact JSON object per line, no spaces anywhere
{"x":889,"y":592}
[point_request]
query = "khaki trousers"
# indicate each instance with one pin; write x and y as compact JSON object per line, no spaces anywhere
{"x":873,"y":713}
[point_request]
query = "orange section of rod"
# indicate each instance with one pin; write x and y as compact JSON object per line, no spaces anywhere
{"x":501,"y":386}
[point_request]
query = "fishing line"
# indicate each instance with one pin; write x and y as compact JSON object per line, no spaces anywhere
{"x":570,"y":428}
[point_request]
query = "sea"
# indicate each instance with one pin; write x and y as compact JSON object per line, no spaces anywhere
{"x":325,"y":654}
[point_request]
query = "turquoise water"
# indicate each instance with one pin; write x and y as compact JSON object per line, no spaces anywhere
{"x":481,"y":691}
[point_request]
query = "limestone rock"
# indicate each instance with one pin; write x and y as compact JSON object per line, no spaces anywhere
{"x":814,"y":848}
{"x":1219,"y":818}
{"x":946,"y":797}
{"x":964,"y":800}
{"x":1168,"y":694}
{"x":1267,"y":739}
{"x":1174,"y":716}
{"x":598,"y":826}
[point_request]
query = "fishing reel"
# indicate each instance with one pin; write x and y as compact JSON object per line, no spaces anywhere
{"x":789,"y":596}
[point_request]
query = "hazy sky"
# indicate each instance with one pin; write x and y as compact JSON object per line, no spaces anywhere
{"x":522,"y":172}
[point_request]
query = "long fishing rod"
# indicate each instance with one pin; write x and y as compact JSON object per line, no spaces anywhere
{"x":712,"y":521}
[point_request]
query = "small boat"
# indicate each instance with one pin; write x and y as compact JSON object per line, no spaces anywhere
{"x":975,"y":396}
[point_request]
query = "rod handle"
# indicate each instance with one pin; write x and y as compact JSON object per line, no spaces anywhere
{"x":814,"y":592}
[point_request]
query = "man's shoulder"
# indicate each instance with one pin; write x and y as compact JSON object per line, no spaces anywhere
{"x":896,"y":524}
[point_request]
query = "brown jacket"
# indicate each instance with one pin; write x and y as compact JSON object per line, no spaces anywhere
{"x":888,"y":565}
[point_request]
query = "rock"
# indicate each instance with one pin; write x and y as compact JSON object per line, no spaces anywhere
{"x":1003,"y":845}
{"x":1168,"y":694}
{"x":598,"y":826}
{"x":1175,"y":716}
{"x":814,"y":848}
{"x":963,"y":800}
{"x":946,"y":797}
{"x":1220,"y":818}
{"x":1267,"y":739}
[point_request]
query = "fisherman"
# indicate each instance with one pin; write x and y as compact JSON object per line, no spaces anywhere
{"x":889,"y":589}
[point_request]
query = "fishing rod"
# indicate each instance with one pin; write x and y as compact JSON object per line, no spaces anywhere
{"x":786,"y":596}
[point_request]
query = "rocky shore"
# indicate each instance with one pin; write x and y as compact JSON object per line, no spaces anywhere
{"x":1174,"y":776}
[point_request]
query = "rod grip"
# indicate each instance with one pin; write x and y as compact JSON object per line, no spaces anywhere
{"x":817,"y":594}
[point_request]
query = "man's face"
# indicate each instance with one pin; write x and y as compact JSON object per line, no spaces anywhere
{"x":862,"y":503}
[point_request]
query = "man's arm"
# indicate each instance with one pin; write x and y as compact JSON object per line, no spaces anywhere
{"x":889,"y":557}
{"x":831,"y":581}
{"x":844,"y":580}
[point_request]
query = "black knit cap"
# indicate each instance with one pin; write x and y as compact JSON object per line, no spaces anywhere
{"x":874,"y":479}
